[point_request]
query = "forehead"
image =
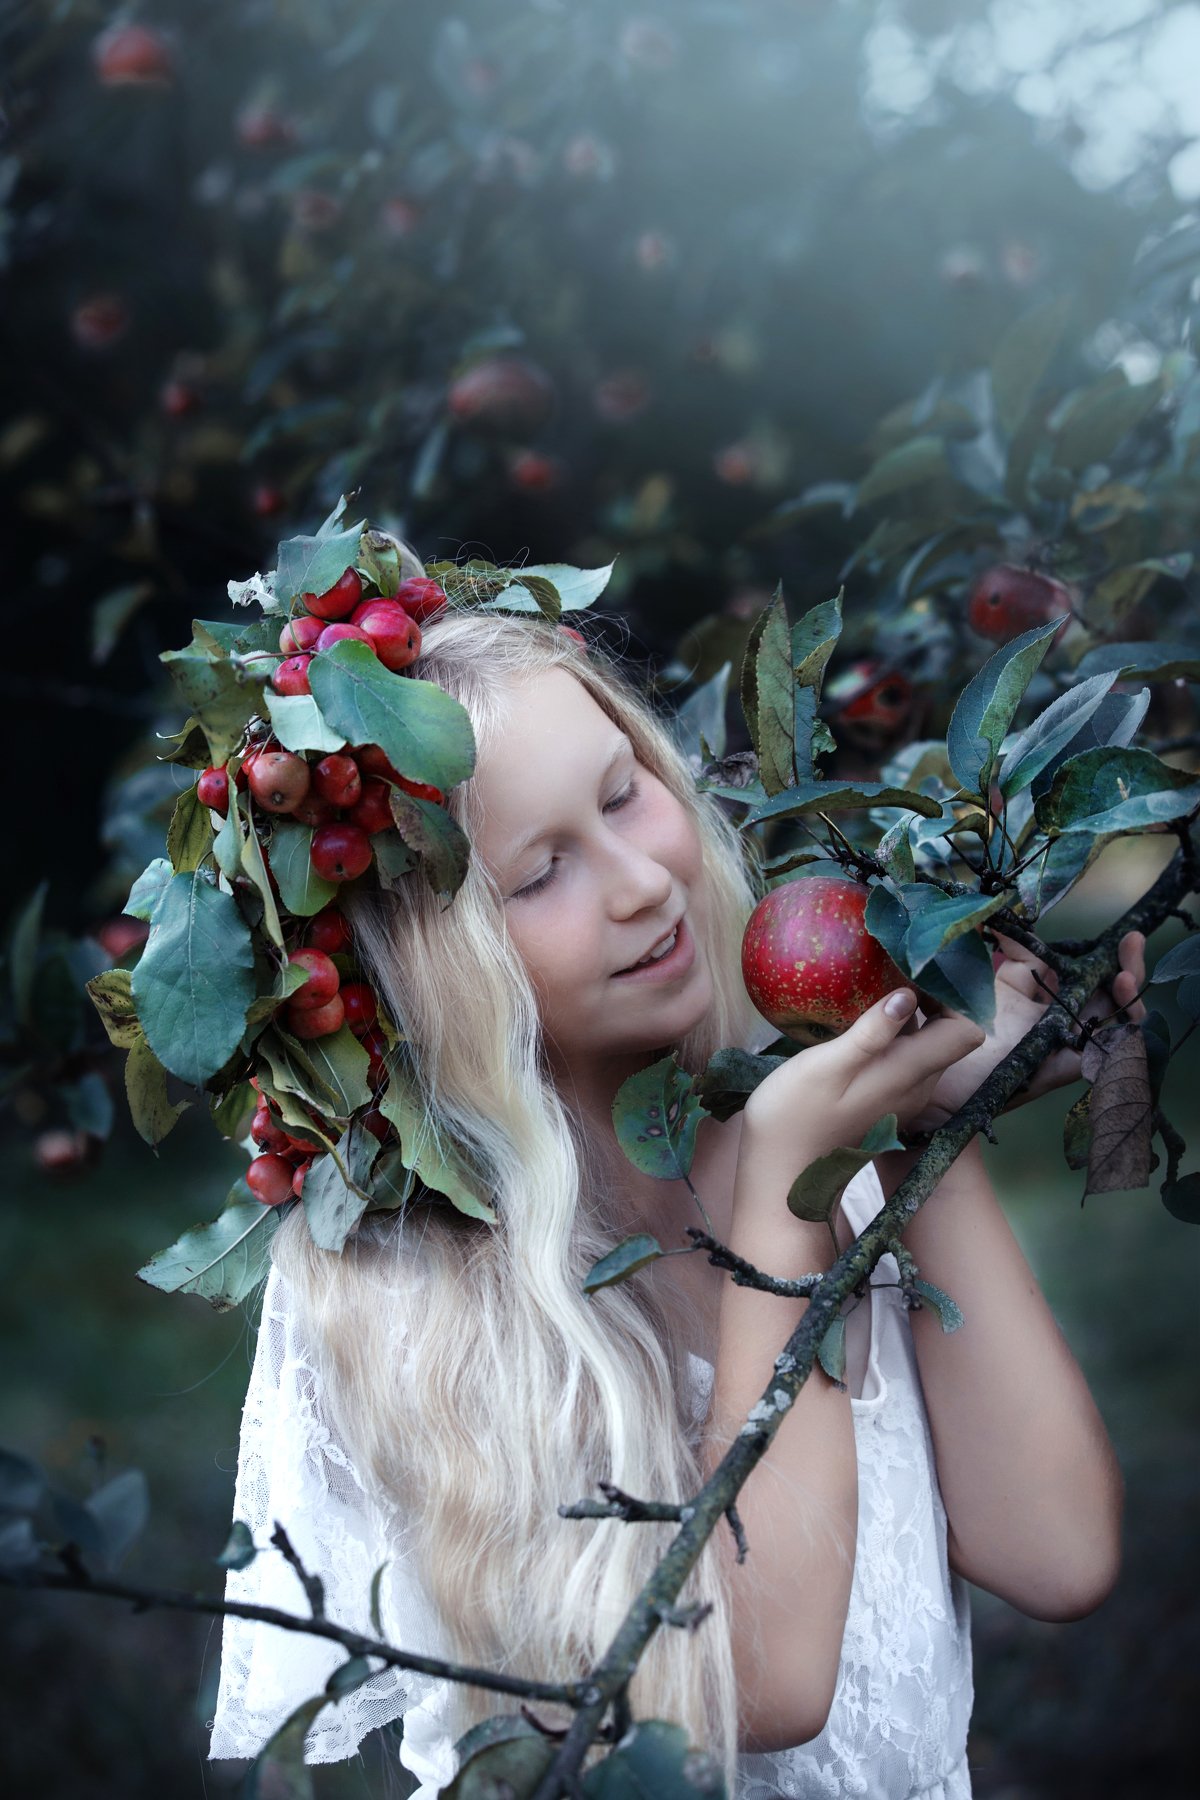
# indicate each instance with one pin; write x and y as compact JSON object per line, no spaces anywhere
{"x":542,"y":755}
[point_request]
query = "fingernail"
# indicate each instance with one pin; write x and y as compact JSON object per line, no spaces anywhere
{"x":900,"y":1004}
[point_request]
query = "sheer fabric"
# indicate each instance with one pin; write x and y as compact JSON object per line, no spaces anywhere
{"x":898,"y":1726}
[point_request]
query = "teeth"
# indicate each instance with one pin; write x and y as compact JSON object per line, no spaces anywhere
{"x":657,"y":955}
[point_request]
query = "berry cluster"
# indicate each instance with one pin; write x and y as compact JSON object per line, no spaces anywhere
{"x":391,"y":627}
{"x":323,"y":1005}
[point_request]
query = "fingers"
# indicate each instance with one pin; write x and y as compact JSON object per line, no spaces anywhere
{"x":940,"y":1041}
{"x":881,"y":1024}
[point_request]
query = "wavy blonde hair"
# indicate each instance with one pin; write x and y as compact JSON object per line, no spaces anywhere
{"x":472,"y":1377}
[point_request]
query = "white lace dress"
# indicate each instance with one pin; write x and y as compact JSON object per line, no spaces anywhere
{"x":897,"y":1729}
{"x":898,"y":1726}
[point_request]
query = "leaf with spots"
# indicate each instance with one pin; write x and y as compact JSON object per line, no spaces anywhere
{"x":656,"y":1114}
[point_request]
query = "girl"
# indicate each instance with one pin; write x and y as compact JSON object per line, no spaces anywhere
{"x":429,"y":1397}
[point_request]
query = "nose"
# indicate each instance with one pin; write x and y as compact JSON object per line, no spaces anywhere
{"x":638,"y":880}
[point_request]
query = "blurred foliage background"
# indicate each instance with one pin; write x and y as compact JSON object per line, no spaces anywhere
{"x":718,"y":291}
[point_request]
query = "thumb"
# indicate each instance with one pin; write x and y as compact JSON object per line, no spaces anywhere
{"x":875,"y":1029}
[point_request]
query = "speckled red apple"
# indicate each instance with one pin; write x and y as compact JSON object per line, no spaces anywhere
{"x":808,"y":961}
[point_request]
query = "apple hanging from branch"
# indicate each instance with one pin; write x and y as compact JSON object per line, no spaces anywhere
{"x":808,"y":961}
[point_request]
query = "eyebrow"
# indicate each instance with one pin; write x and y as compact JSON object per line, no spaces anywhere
{"x":532,"y":838}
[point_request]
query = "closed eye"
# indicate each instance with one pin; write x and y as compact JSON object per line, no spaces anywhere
{"x":614,"y":805}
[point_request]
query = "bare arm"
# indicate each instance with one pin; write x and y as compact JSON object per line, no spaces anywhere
{"x":800,"y":1505}
{"x":1030,"y":1481}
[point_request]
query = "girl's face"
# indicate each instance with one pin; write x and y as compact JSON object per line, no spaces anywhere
{"x":597,"y":863}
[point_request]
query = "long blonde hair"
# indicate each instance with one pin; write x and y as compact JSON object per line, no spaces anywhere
{"x":472,"y":1377}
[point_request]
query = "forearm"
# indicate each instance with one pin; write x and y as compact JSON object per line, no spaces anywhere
{"x":799,"y":1506}
{"x":1030,"y":1481}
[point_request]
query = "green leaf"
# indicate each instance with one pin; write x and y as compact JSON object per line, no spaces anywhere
{"x":730,"y":1077}
{"x":112,"y":997}
{"x":222,"y":1260}
{"x":831,"y":1351}
{"x":335,"y":1194}
{"x":815,"y":1191}
{"x":255,"y":865}
{"x":195,"y":978}
{"x":577,"y":588}
{"x":499,"y":1757}
{"x":774,"y":743}
{"x":340,"y":1063}
{"x":393,"y":859}
{"x":297,"y":723}
{"x":894,"y":849}
{"x":1181,"y":959}
{"x":120,"y":1510}
{"x":1116,"y":790}
{"x":747,"y":677}
{"x":439,"y":1165}
{"x":290,"y":856}
{"x":1051,"y":731}
{"x":1023,"y":355}
{"x":946,"y":1309}
{"x":1097,"y":417}
{"x":190,"y":832}
{"x":222,"y":696}
{"x":146,"y":1087}
{"x":631,"y":1254}
{"x":1182,"y":1199}
{"x":376,"y":1587}
{"x":145,"y":893}
{"x":230,"y":840}
{"x":908,"y":465}
{"x":655,"y":1760}
{"x":279,"y":1771}
{"x":421,"y":729}
{"x":23,"y":951}
{"x":984,"y":710}
{"x":1141,"y":662}
{"x":656,"y":1115}
{"x":960,"y":975}
{"x":944,"y":919}
{"x":839,"y":796}
{"x":311,"y":565}
{"x":441,"y":847}
{"x":240,"y":1550}
{"x":1044,"y":882}
{"x":349,"y":1675}
{"x":814,"y":638}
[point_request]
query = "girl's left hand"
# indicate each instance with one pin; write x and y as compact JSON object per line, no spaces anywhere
{"x":1024,"y":986}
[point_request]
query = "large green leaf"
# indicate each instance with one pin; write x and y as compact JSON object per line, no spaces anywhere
{"x":944,"y":919}
{"x":190,"y":833}
{"x":290,"y":856}
{"x":960,"y":975}
{"x":774,"y":742}
{"x":1141,"y":662}
{"x":815,"y":1191}
{"x":1023,"y":355}
{"x":1054,"y":728}
{"x":220,"y":693}
{"x":623,"y":1260}
{"x":340,"y":1063}
{"x":421,"y":729}
{"x":985,"y":708}
{"x":195,"y":978}
{"x":1121,"y":790}
{"x":908,"y":465}
{"x":297,"y":723}
{"x":442,"y":847}
{"x":656,"y":1115}
{"x":311,"y":565}
{"x":840,"y":796}
{"x":814,"y":638}
{"x":1046,"y":880}
{"x":655,"y":1760}
{"x":438,"y":1164}
{"x":335,"y":1192}
{"x":145,"y":892}
{"x":222,"y":1260}
{"x":152,"y":1112}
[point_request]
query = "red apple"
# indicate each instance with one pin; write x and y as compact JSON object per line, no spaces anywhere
{"x":279,"y":780}
{"x":212,"y":789}
{"x":128,"y":55}
{"x":300,"y":634}
{"x":1006,"y":599}
{"x":340,"y":852}
{"x":808,"y":961}
{"x":422,"y":598}
{"x":322,"y":981}
{"x":269,"y":1179}
{"x":394,"y":634}
{"x":337,"y":601}
{"x":501,"y":393}
{"x":316,"y":1021}
{"x":334,"y":634}
{"x":291,"y":675}
{"x":337,"y":779}
{"x":329,"y":931}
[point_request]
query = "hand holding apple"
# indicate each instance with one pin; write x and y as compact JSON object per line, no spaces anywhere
{"x":808,"y":961}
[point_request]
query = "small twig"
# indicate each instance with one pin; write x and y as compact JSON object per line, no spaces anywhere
{"x":313,"y":1586}
{"x":746,"y":1275}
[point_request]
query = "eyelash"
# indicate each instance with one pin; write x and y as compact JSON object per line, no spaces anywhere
{"x":543,"y":881}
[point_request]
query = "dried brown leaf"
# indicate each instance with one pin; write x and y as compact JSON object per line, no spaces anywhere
{"x":1120,"y":1112}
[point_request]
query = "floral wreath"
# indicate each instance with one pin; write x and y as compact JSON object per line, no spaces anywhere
{"x":322,"y":763}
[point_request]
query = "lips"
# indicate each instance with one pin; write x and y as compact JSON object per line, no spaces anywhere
{"x":661,"y":939}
